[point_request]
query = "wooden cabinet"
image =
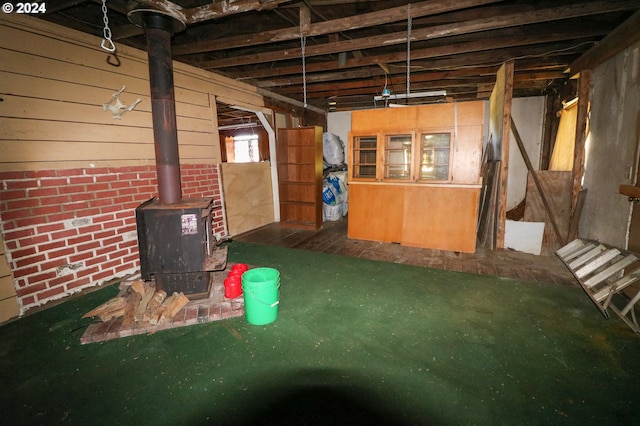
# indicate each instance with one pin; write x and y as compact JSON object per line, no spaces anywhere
{"x":414,"y":175}
{"x":299,"y":157}
{"x":428,"y":216}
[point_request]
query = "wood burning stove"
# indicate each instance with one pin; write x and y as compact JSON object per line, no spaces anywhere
{"x":176,"y":247}
{"x":174,"y":234}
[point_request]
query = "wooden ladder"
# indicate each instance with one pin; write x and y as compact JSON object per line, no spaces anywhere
{"x":604,"y":272}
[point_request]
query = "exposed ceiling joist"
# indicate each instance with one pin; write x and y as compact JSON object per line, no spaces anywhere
{"x":429,"y":53}
{"x":430,"y":33}
{"x":353,"y":47}
{"x":622,"y":37}
{"x":347,"y":23}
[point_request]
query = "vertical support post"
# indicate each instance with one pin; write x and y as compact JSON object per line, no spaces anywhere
{"x":584,"y":84}
{"x":507,"y":79}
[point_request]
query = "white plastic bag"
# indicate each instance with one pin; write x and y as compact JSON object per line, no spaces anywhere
{"x":329,"y":194}
{"x":332,"y":149}
{"x":331,"y":213}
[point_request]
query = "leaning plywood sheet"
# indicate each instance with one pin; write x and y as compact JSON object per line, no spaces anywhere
{"x":488,"y":203}
{"x":557,"y":189}
{"x":248,"y":196}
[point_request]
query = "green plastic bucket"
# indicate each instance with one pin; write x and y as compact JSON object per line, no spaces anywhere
{"x":260,"y":289}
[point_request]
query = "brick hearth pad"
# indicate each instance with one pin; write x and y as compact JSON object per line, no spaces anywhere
{"x":214,"y":308}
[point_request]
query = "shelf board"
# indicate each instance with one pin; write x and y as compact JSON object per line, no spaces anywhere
{"x":297,"y":203}
{"x":630,"y":191}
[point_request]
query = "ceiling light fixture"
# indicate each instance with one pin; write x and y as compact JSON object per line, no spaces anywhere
{"x":391,"y":97}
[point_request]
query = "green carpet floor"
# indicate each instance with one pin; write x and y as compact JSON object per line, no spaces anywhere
{"x":355,"y":342}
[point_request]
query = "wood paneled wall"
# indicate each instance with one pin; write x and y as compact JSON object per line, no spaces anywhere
{"x":8,"y":296}
{"x":54,"y":82}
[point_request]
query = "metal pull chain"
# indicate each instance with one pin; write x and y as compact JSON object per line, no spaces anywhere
{"x":107,"y":43}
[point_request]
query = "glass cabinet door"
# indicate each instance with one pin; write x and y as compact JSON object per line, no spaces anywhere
{"x":435,"y":154}
{"x":365,"y":149}
{"x":397,"y":158}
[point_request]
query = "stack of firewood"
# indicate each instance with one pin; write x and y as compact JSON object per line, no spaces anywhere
{"x":140,"y":303}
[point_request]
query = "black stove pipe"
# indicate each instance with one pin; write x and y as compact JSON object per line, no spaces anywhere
{"x":159,"y":28}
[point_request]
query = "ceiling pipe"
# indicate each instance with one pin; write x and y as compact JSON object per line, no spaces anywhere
{"x":159,"y":27}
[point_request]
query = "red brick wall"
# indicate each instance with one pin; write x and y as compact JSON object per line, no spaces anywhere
{"x":66,"y":230}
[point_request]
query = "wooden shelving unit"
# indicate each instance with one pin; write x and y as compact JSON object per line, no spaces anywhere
{"x":299,"y":156}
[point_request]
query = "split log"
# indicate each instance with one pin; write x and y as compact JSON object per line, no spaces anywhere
{"x":141,"y":303}
{"x":170,"y":308}
{"x":154,"y":305}
{"x":132,"y":307}
{"x":156,"y":300}
{"x":138,"y":286}
{"x":112,"y":308}
{"x":144,"y":303}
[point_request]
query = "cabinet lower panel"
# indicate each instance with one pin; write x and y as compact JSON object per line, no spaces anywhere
{"x":434,"y":217}
{"x":375,"y":212}
{"x":441,"y":218}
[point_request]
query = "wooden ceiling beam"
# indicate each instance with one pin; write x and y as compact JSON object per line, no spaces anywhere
{"x":374,"y":89}
{"x":219,"y":9}
{"x":213,"y":10}
{"x":426,"y":53}
{"x":437,"y":78}
{"x":374,"y":86}
{"x":539,"y":53}
{"x":54,"y":6}
{"x":619,"y":39}
{"x":484,"y":24}
{"x":371,"y":19}
{"x":305,"y":19}
{"x":166,"y":6}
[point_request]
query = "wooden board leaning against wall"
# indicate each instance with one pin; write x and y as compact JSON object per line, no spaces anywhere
{"x":404,"y":201}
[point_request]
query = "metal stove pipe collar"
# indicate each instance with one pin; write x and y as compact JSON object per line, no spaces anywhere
{"x":156,"y":19}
